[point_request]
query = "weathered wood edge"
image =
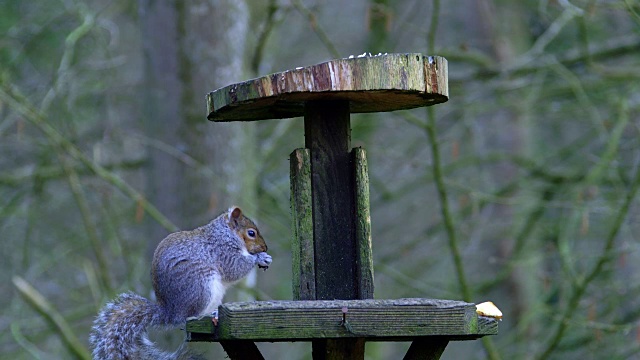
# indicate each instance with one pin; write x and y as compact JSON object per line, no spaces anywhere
{"x":302,"y":253}
{"x":371,"y":84}
{"x":374,"y":320}
{"x":364,"y":266}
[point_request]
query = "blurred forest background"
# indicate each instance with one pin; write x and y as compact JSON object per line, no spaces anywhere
{"x":522,"y":189}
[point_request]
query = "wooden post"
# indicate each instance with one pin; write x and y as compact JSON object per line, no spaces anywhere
{"x":364,"y":264}
{"x":327,"y":136}
{"x":358,"y":270}
{"x":302,"y":253}
{"x":242,"y":349}
{"x":338,"y":349}
{"x":426,"y":348}
{"x":302,"y":247}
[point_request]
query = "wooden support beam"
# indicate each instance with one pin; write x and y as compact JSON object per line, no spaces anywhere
{"x":426,"y":348}
{"x":241,"y":350}
{"x":302,"y":253}
{"x":327,"y":135}
{"x":302,"y":224}
{"x":373,"y":320}
{"x":235,"y":349}
{"x":338,"y":349}
{"x":364,"y":254}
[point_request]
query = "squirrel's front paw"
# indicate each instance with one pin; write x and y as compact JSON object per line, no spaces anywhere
{"x":263,"y":260}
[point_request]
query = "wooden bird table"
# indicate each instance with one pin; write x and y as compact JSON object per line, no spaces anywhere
{"x":333,"y":303}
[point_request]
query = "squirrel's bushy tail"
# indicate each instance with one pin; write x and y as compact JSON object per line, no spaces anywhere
{"x":120,"y":331}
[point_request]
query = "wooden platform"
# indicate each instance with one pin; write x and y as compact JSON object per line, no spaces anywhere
{"x":372,"y":320}
{"x":369,"y":83}
{"x":331,"y":222}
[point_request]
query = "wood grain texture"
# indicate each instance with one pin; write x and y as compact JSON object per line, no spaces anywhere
{"x":302,"y":253}
{"x":370,"y":84}
{"x":327,"y":135}
{"x":373,"y":320}
{"x":364,"y":253}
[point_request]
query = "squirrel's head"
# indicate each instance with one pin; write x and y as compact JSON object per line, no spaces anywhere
{"x":246,"y":230}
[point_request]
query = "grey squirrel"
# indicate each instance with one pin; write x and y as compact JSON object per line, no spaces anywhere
{"x":191,"y":270}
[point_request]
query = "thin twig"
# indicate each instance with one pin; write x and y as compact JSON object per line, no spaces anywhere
{"x":173,"y":152}
{"x":444,"y":208}
{"x":633,"y":11}
{"x":85,"y":213}
{"x":439,"y":179}
{"x":433,"y":27}
{"x":24,"y":343}
{"x":488,"y":344}
{"x":605,"y":257}
{"x":22,"y":106}
{"x":551,"y":33}
{"x":575,"y":83}
{"x":267,"y":28}
{"x":437,"y":171}
{"x":67,"y":57}
{"x":487,"y":67}
{"x":19,"y":176}
{"x":53,"y":317}
{"x":313,"y":22}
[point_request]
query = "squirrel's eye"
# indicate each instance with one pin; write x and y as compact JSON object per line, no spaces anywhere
{"x":251,"y":233}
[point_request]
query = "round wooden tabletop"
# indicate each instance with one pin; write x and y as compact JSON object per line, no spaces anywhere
{"x":384,"y":82}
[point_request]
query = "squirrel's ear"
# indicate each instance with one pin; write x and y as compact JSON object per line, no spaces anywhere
{"x":234,"y":214}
